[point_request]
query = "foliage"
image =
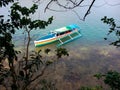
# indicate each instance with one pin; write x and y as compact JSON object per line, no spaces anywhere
{"x":39,"y":63}
{"x":111,"y":78}
{"x":6,"y":46}
{"x":25,"y":71}
{"x":114,"y":28}
{"x":36,"y":64}
{"x":6,"y":29}
{"x":60,"y":52}
{"x":5,"y":2}
{"x":98,"y":76}
{"x":19,"y":18}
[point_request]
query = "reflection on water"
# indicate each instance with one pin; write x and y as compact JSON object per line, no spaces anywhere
{"x":89,"y":54}
{"x":78,"y":69}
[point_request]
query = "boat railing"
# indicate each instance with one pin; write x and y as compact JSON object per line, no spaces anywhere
{"x":71,"y":38}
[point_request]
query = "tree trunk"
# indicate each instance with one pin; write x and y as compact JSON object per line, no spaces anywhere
{"x":27,"y":52}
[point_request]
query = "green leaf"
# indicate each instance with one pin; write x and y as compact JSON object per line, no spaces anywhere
{"x":99,"y":76}
{"x":47,"y":51}
{"x":61,"y":52}
{"x":105,"y":38}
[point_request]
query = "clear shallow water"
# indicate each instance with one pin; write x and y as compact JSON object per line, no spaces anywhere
{"x":89,"y":54}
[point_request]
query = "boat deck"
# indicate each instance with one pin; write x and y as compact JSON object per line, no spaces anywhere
{"x":47,"y":37}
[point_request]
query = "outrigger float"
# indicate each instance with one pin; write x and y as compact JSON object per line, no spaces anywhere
{"x":63,"y":35}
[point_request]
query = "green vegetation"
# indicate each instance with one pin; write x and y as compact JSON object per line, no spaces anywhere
{"x":5,"y":2}
{"x":22,"y":73}
{"x":114,"y":29}
{"x":111,"y":78}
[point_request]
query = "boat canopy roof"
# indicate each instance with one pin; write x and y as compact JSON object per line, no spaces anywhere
{"x":64,"y":29}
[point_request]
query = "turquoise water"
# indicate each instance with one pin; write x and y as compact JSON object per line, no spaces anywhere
{"x":89,"y":54}
{"x":92,"y":28}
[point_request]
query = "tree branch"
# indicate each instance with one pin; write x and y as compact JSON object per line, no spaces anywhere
{"x":72,"y":7}
{"x":69,"y":5}
{"x":88,"y":11}
{"x":42,"y":72}
{"x":48,"y":5}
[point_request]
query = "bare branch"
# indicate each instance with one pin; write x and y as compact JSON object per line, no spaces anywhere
{"x":48,"y":5}
{"x":73,"y":2}
{"x":72,"y":7}
{"x":69,"y":5}
{"x":56,"y":10}
{"x":88,"y":11}
{"x":77,"y":15}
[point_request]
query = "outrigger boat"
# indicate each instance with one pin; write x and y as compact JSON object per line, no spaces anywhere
{"x":72,"y":32}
